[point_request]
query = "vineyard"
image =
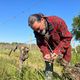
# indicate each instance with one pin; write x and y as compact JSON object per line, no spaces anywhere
{"x":33,"y":67}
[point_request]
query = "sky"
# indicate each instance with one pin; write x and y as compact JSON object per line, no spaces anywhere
{"x":14,"y":16}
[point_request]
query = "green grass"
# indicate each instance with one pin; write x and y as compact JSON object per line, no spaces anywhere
{"x":32,"y":69}
{"x":75,"y":58}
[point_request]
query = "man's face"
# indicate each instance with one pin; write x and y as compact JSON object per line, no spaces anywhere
{"x":39,"y":25}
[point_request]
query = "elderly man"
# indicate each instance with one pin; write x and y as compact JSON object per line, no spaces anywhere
{"x":53,"y":39}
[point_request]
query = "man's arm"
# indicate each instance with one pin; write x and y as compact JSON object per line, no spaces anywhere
{"x":42,"y":44}
{"x":65,"y":36}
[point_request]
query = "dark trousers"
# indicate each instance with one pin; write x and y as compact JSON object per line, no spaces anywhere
{"x":48,"y":66}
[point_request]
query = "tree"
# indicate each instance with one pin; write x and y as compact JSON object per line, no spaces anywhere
{"x":76,"y":27}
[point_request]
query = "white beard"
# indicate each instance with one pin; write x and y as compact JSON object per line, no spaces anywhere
{"x":43,"y":32}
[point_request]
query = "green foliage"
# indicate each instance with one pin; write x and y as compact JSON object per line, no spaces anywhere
{"x":75,"y":55}
{"x":76,"y":27}
{"x":33,"y":67}
{"x":7,"y":69}
{"x":76,"y":21}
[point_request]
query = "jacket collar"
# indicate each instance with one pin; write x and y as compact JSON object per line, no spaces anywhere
{"x":49,"y":26}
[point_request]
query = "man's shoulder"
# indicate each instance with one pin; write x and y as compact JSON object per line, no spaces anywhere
{"x":55,"y":18}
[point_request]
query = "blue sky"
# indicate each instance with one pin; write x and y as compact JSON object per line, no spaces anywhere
{"x":14,"y":15}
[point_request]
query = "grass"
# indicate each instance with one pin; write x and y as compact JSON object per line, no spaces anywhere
{"x":32,"y":69}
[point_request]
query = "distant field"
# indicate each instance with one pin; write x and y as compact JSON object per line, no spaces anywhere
{"x":33,"y":67}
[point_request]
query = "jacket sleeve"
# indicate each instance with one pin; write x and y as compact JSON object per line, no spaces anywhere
{"x":41,"y":44}
{"x":65,"y":37}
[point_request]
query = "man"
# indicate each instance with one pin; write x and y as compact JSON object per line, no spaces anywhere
{"x":53,"y":39}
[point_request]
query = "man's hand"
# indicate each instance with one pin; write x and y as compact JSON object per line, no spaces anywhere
{"x":54,"y":56}
{"x":47,"y":57}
